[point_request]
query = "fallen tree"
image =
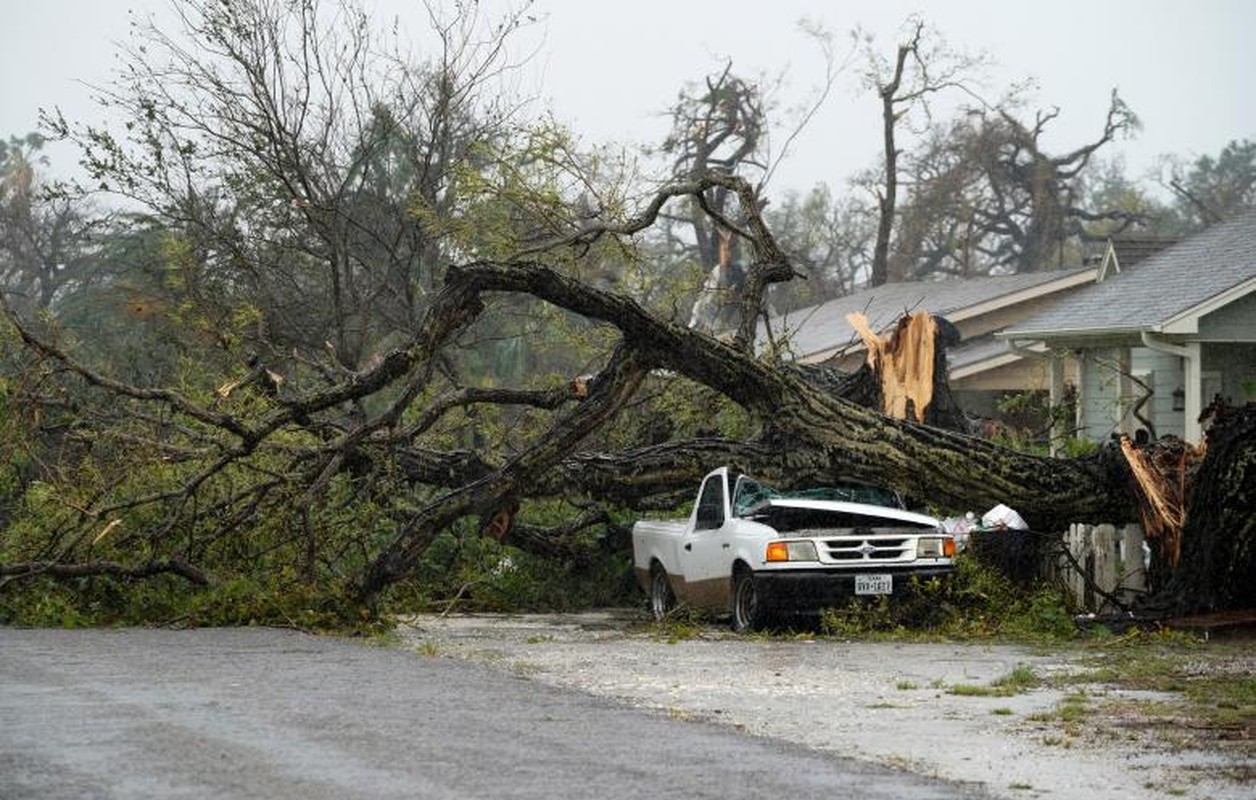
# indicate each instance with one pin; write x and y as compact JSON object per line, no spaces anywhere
{"x":276,"y":461}
{"x":1214,"y":544}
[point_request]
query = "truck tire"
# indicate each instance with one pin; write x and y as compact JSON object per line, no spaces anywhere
{"x":747,"y":612}
{"x":662,"y":598}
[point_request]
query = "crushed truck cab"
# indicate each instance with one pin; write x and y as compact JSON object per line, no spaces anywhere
{"x":756,"y":552}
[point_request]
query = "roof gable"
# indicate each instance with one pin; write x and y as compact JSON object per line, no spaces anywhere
{"x":1126,"y":250}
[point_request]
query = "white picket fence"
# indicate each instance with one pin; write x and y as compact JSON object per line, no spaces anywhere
{"x":1105,"y":560}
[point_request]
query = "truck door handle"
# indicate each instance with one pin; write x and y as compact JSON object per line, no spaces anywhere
{"x":689,"y":546}
{"x":725,"y":545}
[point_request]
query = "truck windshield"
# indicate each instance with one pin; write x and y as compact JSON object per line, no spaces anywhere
{"x":750,"y":494}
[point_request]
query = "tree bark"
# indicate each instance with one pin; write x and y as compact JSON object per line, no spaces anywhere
{"x":1218,"y":555}
{"x":808,"y":434}
{"x":52,"y":569}
{"x":887,"y":202}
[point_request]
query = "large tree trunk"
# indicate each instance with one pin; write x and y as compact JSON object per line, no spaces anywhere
{"x":1217,"y":569}
{"x":808,"y":434}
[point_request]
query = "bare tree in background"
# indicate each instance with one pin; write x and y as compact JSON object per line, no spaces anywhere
{"x":726,"y":127}
{"x":1210,"y":189}
{"x":986,"y":197}
{"x":921,"y":69}
{"x":299,"y":158}
{"x":1038,"y":196}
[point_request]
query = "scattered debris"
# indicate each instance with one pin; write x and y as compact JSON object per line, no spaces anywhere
{"x":1003,"y":518}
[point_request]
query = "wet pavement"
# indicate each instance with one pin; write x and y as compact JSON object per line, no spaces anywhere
{"x":234,"y":713}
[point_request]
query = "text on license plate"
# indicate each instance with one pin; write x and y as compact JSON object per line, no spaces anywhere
{"x":874,"y":584}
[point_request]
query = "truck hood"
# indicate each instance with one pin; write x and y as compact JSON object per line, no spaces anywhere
{"x":842,"y":507}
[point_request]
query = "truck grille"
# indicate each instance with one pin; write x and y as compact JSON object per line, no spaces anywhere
{"x":870,"y":548}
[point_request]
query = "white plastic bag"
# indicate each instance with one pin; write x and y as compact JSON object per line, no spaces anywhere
{"x":1003,"y":518}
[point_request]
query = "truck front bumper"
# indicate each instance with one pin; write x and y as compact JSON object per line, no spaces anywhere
{"x":810,"y":590}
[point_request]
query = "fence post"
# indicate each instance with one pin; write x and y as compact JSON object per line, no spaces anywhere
{"x":1064,"y":570}
{"x":1105,"y":544}
{"x":1108,"y":558}
{"x":1080,"y":545}
{"x":1134,"y":578}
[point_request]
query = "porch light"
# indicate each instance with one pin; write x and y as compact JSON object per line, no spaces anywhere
{"x":1179,"y":399}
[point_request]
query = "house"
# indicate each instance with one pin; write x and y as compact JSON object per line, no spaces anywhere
{"x":983,"y":369}
{"x":1154,"y":342}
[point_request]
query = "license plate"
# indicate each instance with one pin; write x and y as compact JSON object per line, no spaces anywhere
{"x":874,"y":584}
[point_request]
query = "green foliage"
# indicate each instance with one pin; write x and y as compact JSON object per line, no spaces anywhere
{"x":18,"y":150}
{"x":469,"y":572}
{"x":975,"y":601}
{"x":1079,"y":448}
{"x":167,"y":601}
{"x":1020,"y":680}
{"x":672,"y":407}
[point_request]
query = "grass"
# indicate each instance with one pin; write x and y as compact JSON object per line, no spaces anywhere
{"x":1021,"y":679}
{"x":1074,"y":708}
{"x":1209,"y":687}
{"x":1018,"y":681}
{"x":1206,"y":685}
{"x":681,"y":624}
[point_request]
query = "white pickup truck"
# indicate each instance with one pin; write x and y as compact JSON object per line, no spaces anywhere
{"x":758,"y":552}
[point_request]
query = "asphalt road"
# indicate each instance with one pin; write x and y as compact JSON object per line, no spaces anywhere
{"x":258,"y":713}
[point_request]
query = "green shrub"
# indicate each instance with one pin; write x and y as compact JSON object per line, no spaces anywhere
{"x":167,"y":601}
{"x":976,"y":600}
{"x":473,"y":573}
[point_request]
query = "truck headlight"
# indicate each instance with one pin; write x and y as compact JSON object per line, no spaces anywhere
{"x":935,"y":547}
{"x":792,"y":551}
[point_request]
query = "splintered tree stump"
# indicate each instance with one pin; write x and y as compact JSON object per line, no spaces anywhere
{"x":1218,"y":556}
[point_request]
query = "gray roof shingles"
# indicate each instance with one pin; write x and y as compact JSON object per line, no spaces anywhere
{"x":823,"y":327}
{"x":1161,"y":287}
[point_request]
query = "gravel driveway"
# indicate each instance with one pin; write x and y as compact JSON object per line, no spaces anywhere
{"x":889,"y":703}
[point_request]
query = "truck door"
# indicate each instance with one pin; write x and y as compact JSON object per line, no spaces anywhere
{"x":705,"y":550}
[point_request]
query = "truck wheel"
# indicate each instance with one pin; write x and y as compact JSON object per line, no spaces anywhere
{"x":662,"y":599}
{"x":747,"y":615}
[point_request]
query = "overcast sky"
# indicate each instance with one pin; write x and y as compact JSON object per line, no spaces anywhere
{"x":610,"y":68}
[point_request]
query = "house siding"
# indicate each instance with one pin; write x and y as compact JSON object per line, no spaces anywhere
{"x":1164,"y":373}
{"x":1230,"y":369}
{"x":1108,"y":397}
{"x":1099,"y":403}
{"x":1235,"y":322}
